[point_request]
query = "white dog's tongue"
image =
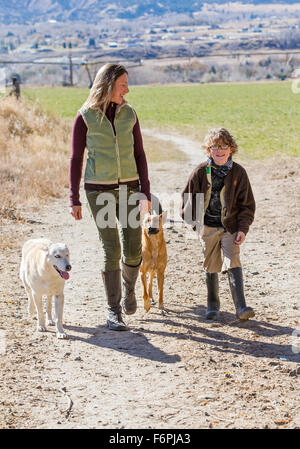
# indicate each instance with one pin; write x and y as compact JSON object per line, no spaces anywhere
{"x":65,"y":275}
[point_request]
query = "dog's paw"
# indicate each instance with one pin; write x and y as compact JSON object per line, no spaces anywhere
{"x":147,"y":305}
{"x":41,"y":328}
{"x":152,"y":302}
{"x":61,"y":335}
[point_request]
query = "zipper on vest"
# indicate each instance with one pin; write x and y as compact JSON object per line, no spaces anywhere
{"x":116,"y":147}
{"x":118,"y":158}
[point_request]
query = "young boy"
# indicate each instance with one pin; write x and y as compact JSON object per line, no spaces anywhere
{"x":229,"y":208}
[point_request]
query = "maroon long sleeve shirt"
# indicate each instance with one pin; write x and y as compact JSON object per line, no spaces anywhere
{"x":78,"y":147}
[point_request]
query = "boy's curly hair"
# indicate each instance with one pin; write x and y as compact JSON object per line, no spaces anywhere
{"x":219,"y":137}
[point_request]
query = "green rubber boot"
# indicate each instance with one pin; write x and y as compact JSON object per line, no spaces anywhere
{"x":112,"y":285}
{"x":235,"y":276}
{"x":213,"y":302}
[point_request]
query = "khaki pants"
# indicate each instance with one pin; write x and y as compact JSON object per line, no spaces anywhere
{"x":217,"y":243}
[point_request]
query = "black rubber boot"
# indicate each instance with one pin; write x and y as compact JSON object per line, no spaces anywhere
{"x":129,"y":277}
{"x":213,"y":302}
{"x":235,"y":276}
{"x":112,"y":285}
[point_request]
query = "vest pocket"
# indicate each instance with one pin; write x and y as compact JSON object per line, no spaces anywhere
{"x":90,"y":167}
{"x":105,"y":172}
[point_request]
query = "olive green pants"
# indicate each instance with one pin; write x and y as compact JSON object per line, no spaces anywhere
{"x":117,"y":218}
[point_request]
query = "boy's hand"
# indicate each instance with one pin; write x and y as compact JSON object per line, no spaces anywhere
{"x":239,"y":238}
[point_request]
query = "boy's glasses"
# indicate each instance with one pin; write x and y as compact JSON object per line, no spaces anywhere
{"x":225,"y":148}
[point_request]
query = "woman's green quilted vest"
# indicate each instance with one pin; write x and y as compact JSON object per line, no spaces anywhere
{"x":110,"y":157}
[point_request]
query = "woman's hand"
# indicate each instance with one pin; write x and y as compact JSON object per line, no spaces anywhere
{"x":75,"y":211}
{"x":239,"y":238}
{"x":145,"y":206}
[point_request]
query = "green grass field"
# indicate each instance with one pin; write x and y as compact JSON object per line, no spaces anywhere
{"x":263,"y":117}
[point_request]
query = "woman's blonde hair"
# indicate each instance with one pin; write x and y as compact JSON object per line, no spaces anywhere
{"x":219,"y":137}
{"x":101,"y":90}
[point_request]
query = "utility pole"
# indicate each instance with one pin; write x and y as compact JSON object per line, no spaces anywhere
{"x":71,"y":68}
{"x":89,"y":75}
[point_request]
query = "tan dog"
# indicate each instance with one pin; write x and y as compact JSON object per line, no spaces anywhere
{"x":43,"y":271}
{"x":154,"y":257}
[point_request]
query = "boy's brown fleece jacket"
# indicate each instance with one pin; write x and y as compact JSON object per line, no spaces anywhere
{"x":238,"y":200}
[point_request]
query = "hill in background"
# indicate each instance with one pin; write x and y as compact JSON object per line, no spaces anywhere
{"x":30,"y":11}
{"x":163,"y":42}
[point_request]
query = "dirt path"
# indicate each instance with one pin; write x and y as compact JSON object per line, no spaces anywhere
{"x":173,"y":371}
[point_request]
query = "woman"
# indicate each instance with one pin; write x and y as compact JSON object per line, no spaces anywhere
{"x":116,"y":168}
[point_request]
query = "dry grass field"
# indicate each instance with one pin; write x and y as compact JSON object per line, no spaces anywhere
{"x":34,"y":155}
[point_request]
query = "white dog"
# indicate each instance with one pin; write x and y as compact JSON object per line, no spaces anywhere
{"x":44,"y":269}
